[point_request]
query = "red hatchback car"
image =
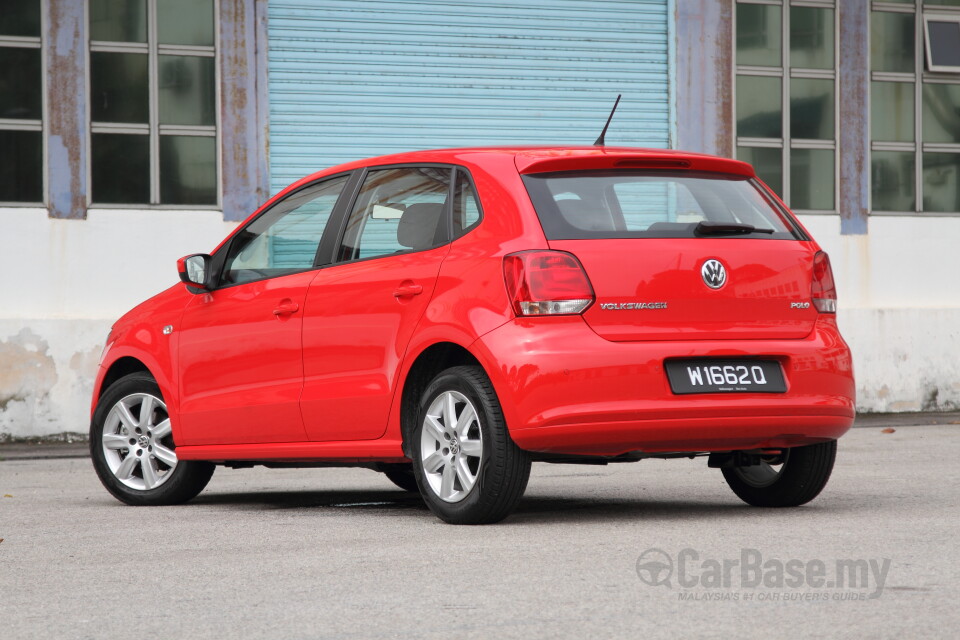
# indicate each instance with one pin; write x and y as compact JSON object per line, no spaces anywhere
{"x":447,"y":317}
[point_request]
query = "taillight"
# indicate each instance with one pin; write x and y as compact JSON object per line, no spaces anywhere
{"x":546,"y":283}
{"x":823,"y":290}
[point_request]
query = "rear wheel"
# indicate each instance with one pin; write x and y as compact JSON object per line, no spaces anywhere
{"x":790,"y":479}
{"x":468,"y":468}
{"x":131,"y":444}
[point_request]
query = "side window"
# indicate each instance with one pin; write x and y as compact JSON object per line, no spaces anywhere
{"x":398,"y":210}
{"x":466,"y":208}
{"x":285,"y":239}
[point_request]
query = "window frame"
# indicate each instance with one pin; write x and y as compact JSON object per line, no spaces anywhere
{"x":545,"y":206}
{"x":16,"y":124}
{"x":454,"y":234}
{"x":333,"y":233}
{"x":938,"y":17}
{"x":447,"y":214}
{"x":919,"y":76}
{"x":786,"y":143}
{"x":324,"y":249}
{"x":153,"y":129}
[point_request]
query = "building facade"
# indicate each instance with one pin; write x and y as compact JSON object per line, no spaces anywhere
{"x":136,"y":131}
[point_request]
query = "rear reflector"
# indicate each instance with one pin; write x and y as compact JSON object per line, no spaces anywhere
{"x":546,"y":283}
{"x":823,"y":290}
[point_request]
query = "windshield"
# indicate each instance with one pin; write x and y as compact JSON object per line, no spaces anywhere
{"x":649,"y":204}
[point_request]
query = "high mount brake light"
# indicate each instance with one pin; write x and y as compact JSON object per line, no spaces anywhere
{"x":823,"y":291}
{"x":546,"y":283}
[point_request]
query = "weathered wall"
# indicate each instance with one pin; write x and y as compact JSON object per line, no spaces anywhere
{"x":62,"y":284}
{"x":896,"y":276}
{"x":899,"y":309}
{"x":46,"y":374}
{"x":704,"y":76}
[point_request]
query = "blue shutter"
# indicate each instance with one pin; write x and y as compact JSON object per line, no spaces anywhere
{"x":351,"y":79}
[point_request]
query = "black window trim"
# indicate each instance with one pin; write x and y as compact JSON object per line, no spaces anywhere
{"x":929,"y":15}
{"x":448,"y":209}
{"x":788,"y":218}
{"x":333,"y":233}
{"x":476,"y":197}
{"x":219,"y":258}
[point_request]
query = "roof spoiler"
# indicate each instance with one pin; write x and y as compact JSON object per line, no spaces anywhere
{"x":582,"y":160}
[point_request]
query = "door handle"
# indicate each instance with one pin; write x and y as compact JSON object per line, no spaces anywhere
{"x":407,"y":289}
{"x":285,"y":308}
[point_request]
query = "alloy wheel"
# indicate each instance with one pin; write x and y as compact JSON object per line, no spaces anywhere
{"x":451,"y":446}
{"x":138,"y":442}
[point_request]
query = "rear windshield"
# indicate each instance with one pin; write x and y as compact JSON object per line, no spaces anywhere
{"x":649,"y":204}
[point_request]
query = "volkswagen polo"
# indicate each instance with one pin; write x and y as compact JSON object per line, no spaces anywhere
{"x":449,"y":317}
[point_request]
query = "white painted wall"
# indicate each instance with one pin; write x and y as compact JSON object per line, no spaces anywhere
{"x":63,"y":283}
{"x":899,"y":308}
{"x":98,"y":267}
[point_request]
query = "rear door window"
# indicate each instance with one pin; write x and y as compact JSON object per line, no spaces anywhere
{"x":466,"y":207}
{"x":628,"y":204}
{"x":398,"y":210}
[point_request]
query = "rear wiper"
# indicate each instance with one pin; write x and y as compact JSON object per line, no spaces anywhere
{"x":726,"y":229}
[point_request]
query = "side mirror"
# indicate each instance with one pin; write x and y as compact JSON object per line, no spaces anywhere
{"x":194,"y":271}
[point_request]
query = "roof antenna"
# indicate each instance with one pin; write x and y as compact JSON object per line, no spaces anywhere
{"x":600,"y":142}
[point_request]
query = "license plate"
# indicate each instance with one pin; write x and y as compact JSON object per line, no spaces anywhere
{"x":725,"y":376}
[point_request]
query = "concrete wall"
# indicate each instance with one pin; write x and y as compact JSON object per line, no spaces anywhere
{"x":899,"y":308}
{"x":896,"y":276}
{"x":62,"y":284}
{"x":64,"y":281}
{"x":68,"y":271}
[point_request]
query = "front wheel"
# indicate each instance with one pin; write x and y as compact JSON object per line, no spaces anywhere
{"x":790,"y":479}
{"x":131,"y":444}
{"x":468,"y":468}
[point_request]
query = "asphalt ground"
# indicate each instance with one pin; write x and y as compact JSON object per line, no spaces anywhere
{"x":653,"y":549}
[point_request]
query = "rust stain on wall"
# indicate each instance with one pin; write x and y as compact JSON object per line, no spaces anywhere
{"x":704,"y":78}
{"x":853,"y":141}
{"x":723,"y":71}
{"x":27,"y":371}
{"x":85,"y":364}
{"x":240,"y":112}
{"x":66,"y":111}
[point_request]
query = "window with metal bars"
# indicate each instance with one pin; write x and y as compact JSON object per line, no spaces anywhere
{"x":153,"y":103}
{"x":915,"y":108}
{"x":786,"y":98}
{"x":21,"y":103}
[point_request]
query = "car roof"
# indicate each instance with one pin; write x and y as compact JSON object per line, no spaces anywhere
{"x":541,"y":159}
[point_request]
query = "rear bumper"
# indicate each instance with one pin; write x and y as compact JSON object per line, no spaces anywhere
{"x":566,"y":390}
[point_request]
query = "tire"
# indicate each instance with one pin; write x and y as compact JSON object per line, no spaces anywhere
{"x":400,"y":474}
{"x":468,"y":468}
{"x":134,"y":454}
{"x":803,"y":474}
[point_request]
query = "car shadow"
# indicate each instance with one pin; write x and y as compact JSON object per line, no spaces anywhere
{"x":338,"y":499}
{"x":531,"y":510}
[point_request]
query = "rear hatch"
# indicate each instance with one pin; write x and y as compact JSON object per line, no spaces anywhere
{"x":680,"y":255}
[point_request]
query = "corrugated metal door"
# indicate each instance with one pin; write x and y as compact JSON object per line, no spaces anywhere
{"x":351,"y":79}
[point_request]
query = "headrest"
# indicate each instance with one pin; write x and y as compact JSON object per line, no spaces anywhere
{"x":418,"y":225}
{"x":580,"y":214}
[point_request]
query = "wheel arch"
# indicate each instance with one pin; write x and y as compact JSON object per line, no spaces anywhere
{"x":121,"y":367}
{"x":122,"y":361}
{"x":431,"y":361}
